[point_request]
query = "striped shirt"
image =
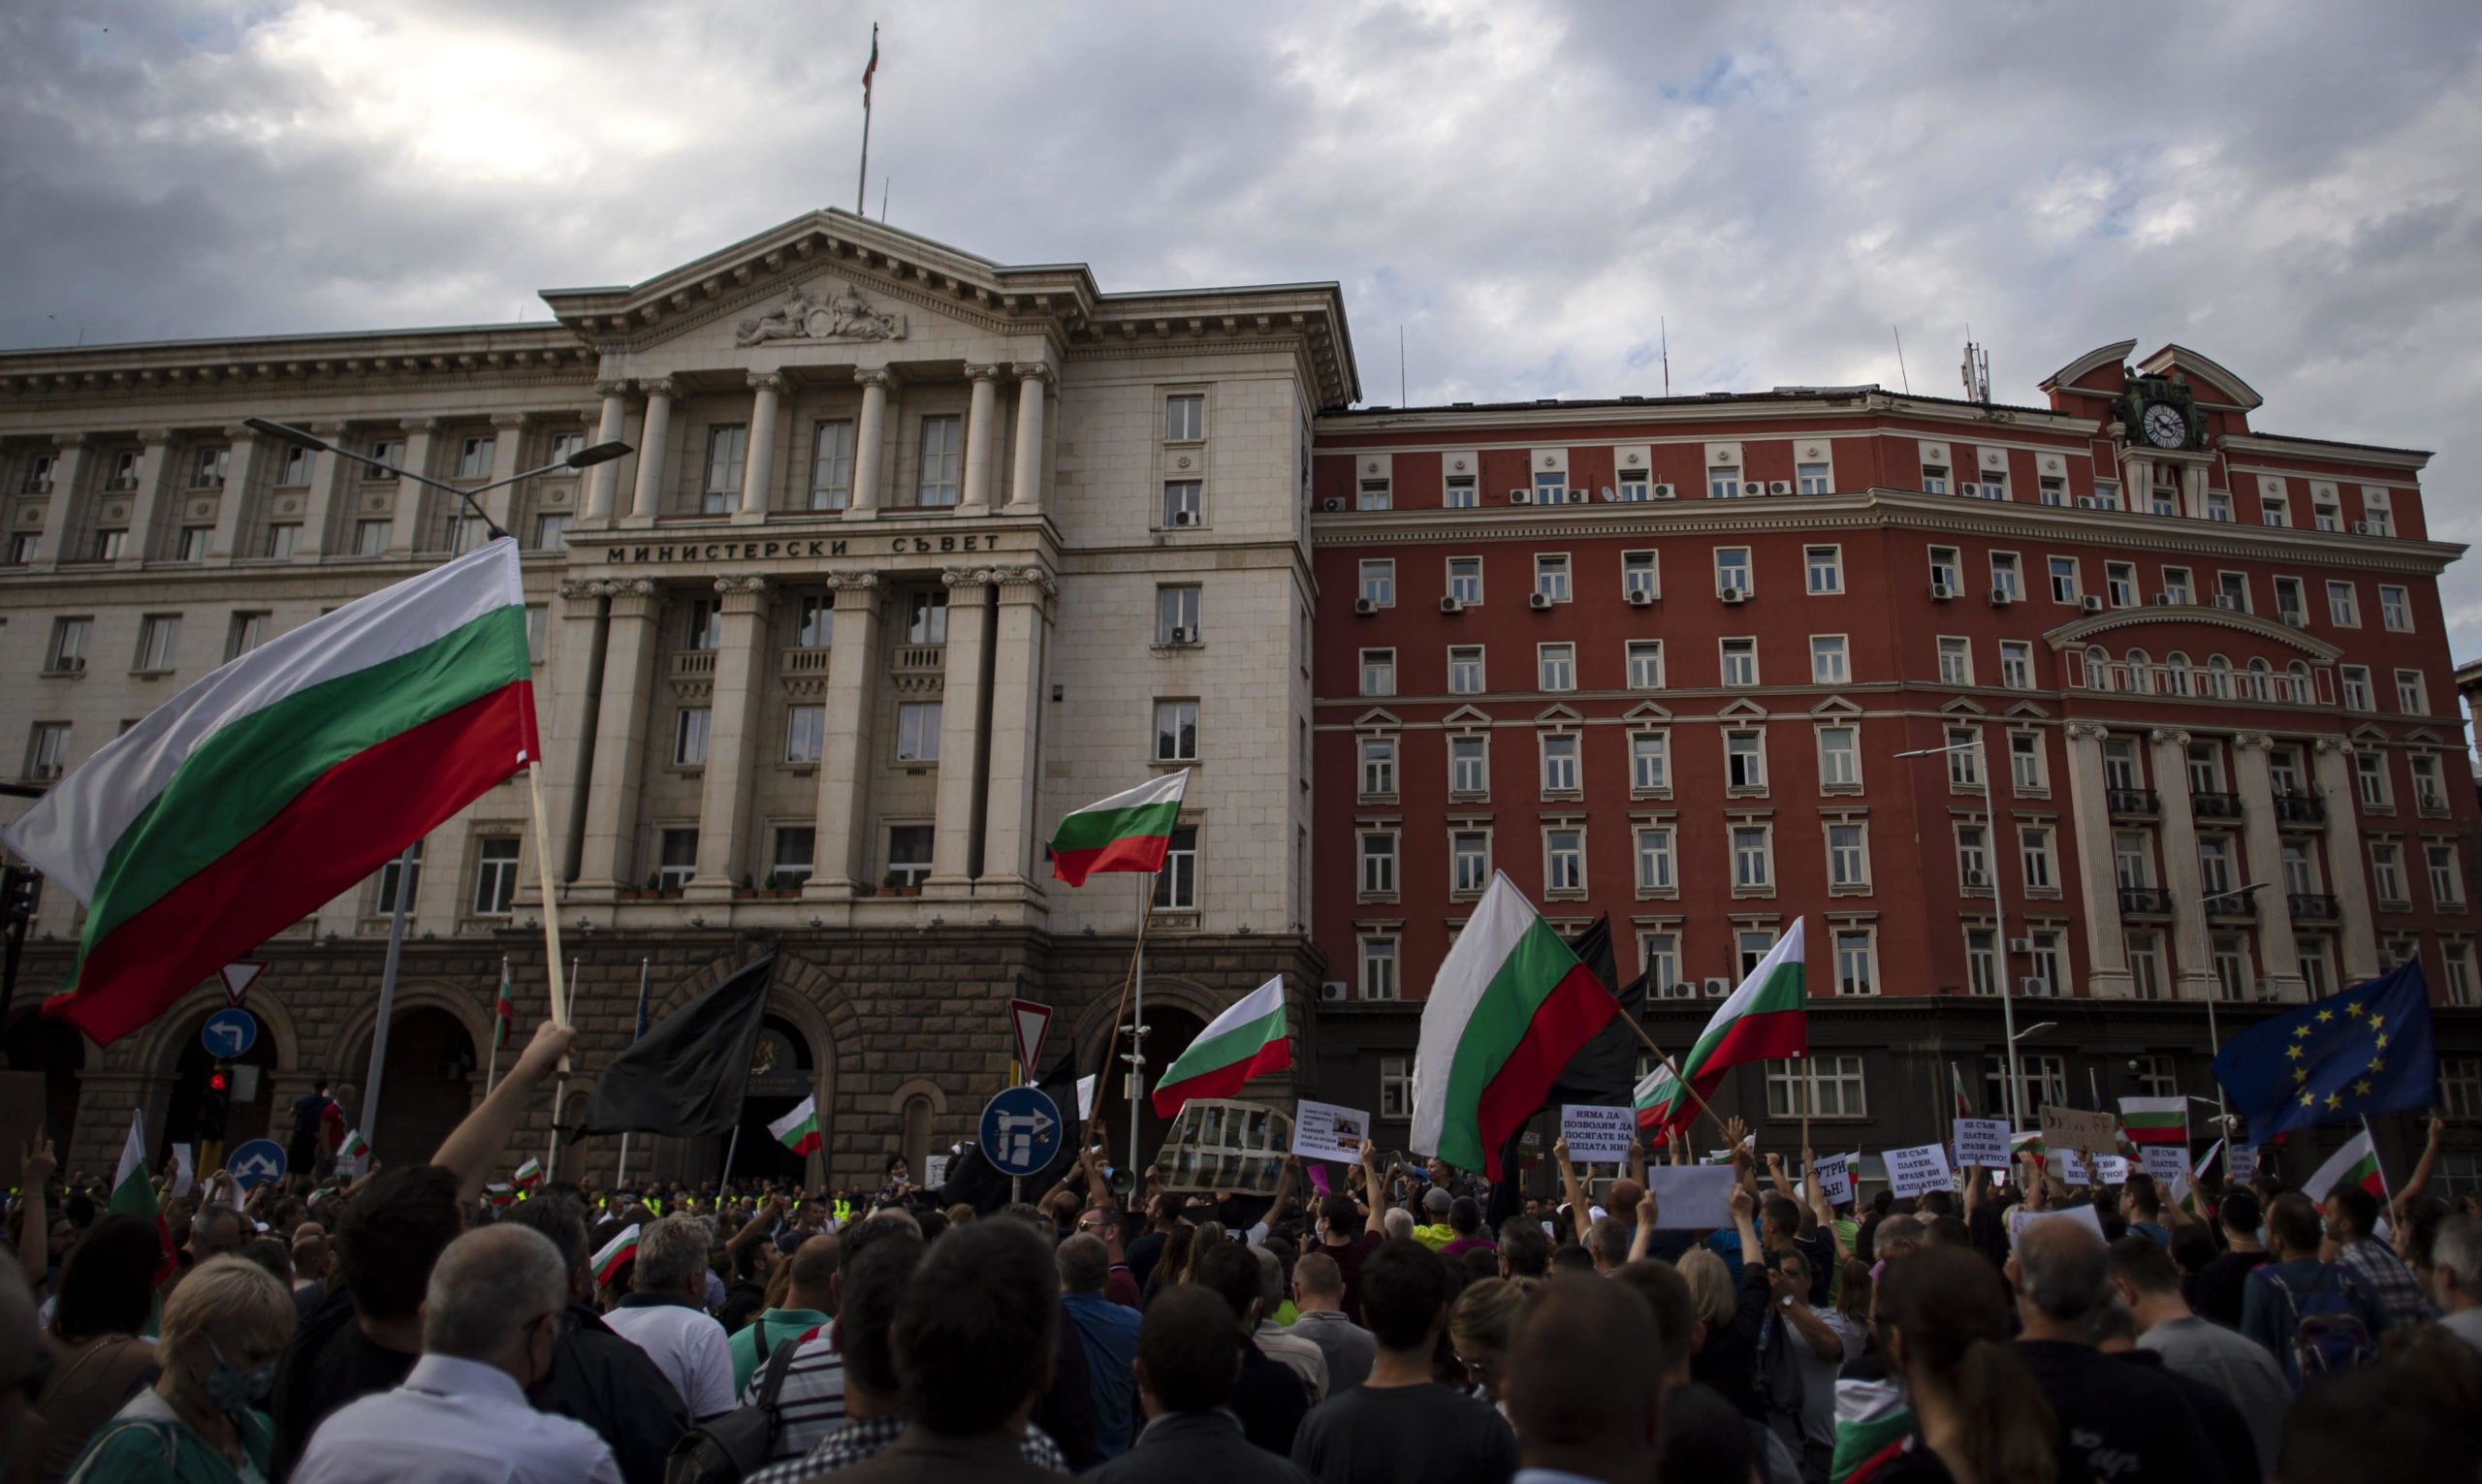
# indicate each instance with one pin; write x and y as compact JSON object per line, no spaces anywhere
{"x":811,"y":1404}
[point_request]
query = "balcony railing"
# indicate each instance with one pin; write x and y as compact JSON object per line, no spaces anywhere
{"x":2240,"y":908}
{"x":807,"y":660}
{"x":2214,"y":805}
{"x":2301,"y":809}
{"x":2146,"y":902}
{"x":694,"y":665}
{"x":2136,"y":801}
{"x":2312,"y":907}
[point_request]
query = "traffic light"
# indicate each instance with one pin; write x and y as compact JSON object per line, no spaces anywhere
{"x":216,"y":1104}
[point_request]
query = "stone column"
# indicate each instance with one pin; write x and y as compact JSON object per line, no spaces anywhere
{"x":2137,"y":485}
{"x":980,"y":413}
{"x":406,"y":506}
{"x":2347,"y":859}
{"x":2192,"y":957}
{"x":146,"y":502}
{"x":59,"y":523}
{"x":577,"y":651}
{"x":241,"y":477}
{"x":2193,"y":490}
{"x":957,"y":833}
{"x":841,"y":852}
{"x":732,"y":726}
{"x":1026,"y":482}
{"x":1009,"y":824}
{"x":2262,"y":847}
{"x":604,"y":479}
{"x":508,"y":445}
{"x":2107,"y":948}
{"x":629,"y":654}
{"x":758,"y":468}
{"x":331,"y":496}
{"x":869,"y":457}
{"x":655,"y":455}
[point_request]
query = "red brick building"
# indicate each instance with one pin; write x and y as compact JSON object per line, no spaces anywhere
{"x":1659,"y":659}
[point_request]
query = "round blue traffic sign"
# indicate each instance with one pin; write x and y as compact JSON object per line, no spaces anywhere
{"x":255,"y":1163}
{"x":230,"y":1033}
{"x":1021,"y":1131}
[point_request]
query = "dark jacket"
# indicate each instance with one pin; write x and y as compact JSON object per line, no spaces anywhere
{"x":612,"y":1386}
{"x":1269,"y":1400}
{"x":1198,"y":1448}
{"x":925,"y":1457}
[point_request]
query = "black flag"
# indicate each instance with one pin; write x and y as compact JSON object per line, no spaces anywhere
{"x":972,"y":1180}
{"x":1604,"y":1071}
{"x":686,"y":1076}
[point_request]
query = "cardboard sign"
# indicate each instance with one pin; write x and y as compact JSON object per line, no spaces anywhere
{"x":2240,"y":1164}
{"x":1917,"y":1171}
{"x":1835,"y":1177}
{"x":1982,"y":1142}
{"x":2113,"y":1168}
{"x":1596,"y":1134}
{"x":2084,"y":1216}
{"x":1691,"y":1197}
{"x":2166,"y":1163}
{"x":1327,"y":1131}
{"x":2096,"y":1134}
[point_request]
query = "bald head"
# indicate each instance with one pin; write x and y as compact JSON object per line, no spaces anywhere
{"x":1585,"y":1377}
{"x":2063,"y":1272}
{"x":814,"y":1285}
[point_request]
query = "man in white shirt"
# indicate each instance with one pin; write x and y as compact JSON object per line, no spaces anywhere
{"x":2456,"y":1257}
{"x":661,"y":1316}
{"x":491,"y":1318}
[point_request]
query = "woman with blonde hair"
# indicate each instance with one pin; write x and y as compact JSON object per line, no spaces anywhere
{"x":199,"y":1423}
{"x":1479,"y":1324}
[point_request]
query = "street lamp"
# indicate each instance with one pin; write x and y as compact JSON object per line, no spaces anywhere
{"x":2032,"y":1029}
{"x":584,"y":458}
{"x":1999,"y":910}
{"x":2214,"y":1037}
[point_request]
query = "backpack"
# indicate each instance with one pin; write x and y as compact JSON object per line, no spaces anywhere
{"x":2328,"y":1334}
{"x":737,"y":1445}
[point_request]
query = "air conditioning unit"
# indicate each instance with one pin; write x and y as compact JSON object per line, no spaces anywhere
{"x":1684,"y":992}
{"x":2362,"y":528}
{"x":1941,"y":592}
{"x":1364,"y":606}
{"x":1977,"y":878}
{"x":2297,"y":618}
{"x":1520,"y":496}
{"x":2163,"y":600}
{"x":1969,"y":490}
{"x":72,"y":664}
{"x":2020,"y":947}
{"x":1332,"y":991}
{"x":2089,"y":502}
{"x":1732,"y":594}
{"x":1663,"y":491}
{"x":1452,"y":605}
{"x":1185,"y":517}
{"x":1779,"y":486}
{"x":1752,"y":488}
{"x":1537,"y":601}
{"x":2033,"y":987}
{"x":1333,"y":506}
{"x":1608,"y":496}
{"x":2000,"y":597}
{"x":1717,"y":988}
{"x":2227,"y":602}
{"x":1639,"y":597}
{"x":1185,"y":636}
{"x":1576,"y":497}
{"x":2090,"y":605}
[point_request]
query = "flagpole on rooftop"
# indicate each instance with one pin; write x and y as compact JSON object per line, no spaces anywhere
{"x":862,"y":179}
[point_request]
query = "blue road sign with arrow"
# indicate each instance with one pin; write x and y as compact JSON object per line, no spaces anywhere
{"x":230,"y":1033}
{"x":1021,"y":1131}
{"x":255,"y":1163}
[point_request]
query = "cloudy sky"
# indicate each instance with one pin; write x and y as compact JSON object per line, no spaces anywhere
{"x":1529,"y":189}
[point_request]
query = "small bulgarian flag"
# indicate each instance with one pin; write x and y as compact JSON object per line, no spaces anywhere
{"x":499,"y":1193}
{"x":870,"y":67}
{"x":134,"y":1194}
{"x":1248,"y":1040}
{"x":1956,"y":1084}
{"x":2356,"y":1163}
{"x":528,"y":1175}
{"x":2030,"y":1144}
{"x":1129,"y":830}
{"x":618,"y":1250}
{"x":1765,"y":1020}
{"x":354,"y":1149}
{"x":2156,"y":1119}
{"x":798,"y":1130}
{"x":502,"y":1012}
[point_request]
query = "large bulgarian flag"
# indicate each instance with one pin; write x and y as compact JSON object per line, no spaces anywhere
{"x":2156,"y":1119}
{"x":1248,"y":1040}
{"x":1128,"y":832}
{"x":1512,"y":1004}
{"x":1765,"y":1020}
{"x":798,"y":1130}
{"x":2355,"y":1164}
{"x":272,"y":785}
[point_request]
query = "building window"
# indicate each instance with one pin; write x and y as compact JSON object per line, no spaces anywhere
{"x":1176,"y":731}
{"x":689,"y":727}
{"x":1650,"y":762}
{"x":1946,"y":572}
{"x":1723,"y":484}
{"x":552,"y":531}
{"x":2290,"y":605}
{"x":283,"y":540}
{"x":1184,"y":502}
{"x":292,"y":466}
{"x":677,"y":857}
{"x":703,"y":627}
{"x":25,"y":546}
{"x":935,"y":480}
{"x":1379,"y":582}
{"x":1639,"y":574}
{"x":796,"y":849}
{"x":2034,"y":857}
{"x":1733,"y":572}
{"x":47,"y":750}
{"x":1372,"y":495}
{"x":917,"y":732}
{"x":2107,"y":495}
{"x":814,"y":626}
{"x":2027,"y":770}
{"x":159,"y":638}
{"x":1825,"y":1087}
{"x":2429,"y":795}
{"x":1964,"y":764}
{"x":69,"y":640}
{"x":1551,"y":488}
{"x":1934,"y":479}
{"x":2394,"y":610}
{"x":1824,"y":568}
{"x":2325,"y":512}
{"x":1848,"y":857}
{"x":1753,"y":859}
{"x":1465,"y":579}
{"x":2317,"y":972}
{"x":248,"y":631}
{"x":1813,"y":479}
{"x":2063,"y":571}
{"x":2214,"y":865}
{"x":2377,"y":515}
{"x":109,"y":545}
{"x":384,"y":903}
{"x":207,"y":469}
{"x":1636,"y":488}
{"x":1828,"y":661}
{"x":1740,"y":661}
{"x":2051,"y":964}
{"x":2005,"y":576}
{"x":1563,"y":862}
{"x":1378,"y":672}
{"x":1556,"y":665}
{"x":910,"y":852}
{"x":1379,"y":982}
{"x":2412,"y":693}
{"x":1560,"y":763}
{"x":1461,"y":494}
{"x":1378,"y":862}
{"x":1185,"y":418}
{"x":1751,"y":945}
{"x":1645,"y":664}
{"x":494,"y":875}
{"x":1956,"y":661}
{"x":2447,"y":876}
{"x":1994,"y":484}
{"x":2357,"y":689}
{"x":1839,"y":758}
{"x":804,"y":732}
{"x":1660,"y":953}
{"x":124,"y":475}
{"x":1378,"y":768}
{"x":2046,"y":1082}
{"x":1395,"y":1073}
{"x":2462,"y":989}
{"x":1746,"y":759}
{"x":830,"y":465}
{"x":1655,"y":859}
{"x":1551,"y":575}
{"x":1857,"y":968}
{"x":1177,"y":612}
{"x":2017,"y":664}
{"x":1981,"y":960}
{"x":1468,"y":767}
{"x":1468,"y":862}
{"x":2387,"y":874}
{"x":2343,"y":605}
{"x":2119,"y":583}
{"x":474,"y":459}
{"x":2053,"y":489}
{"x":390,"y":452}
{"x":1973,"y":859}
{"x":1465,"y":670}
{"x":1176,"y":885}
{"x":2132,"y":862}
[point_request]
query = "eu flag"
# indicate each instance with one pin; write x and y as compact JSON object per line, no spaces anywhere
{"x":2338,"y":1059}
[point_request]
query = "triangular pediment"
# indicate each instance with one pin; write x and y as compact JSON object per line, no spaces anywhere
{"x":2368,"y":732}
{"x":1742,"y":706}
{"x":1646,"y":710}
{"x":1836,"y":706}
{"x":2029,"y":710}
{"x":1963,"y":705}
{"x":1559,"y":713}
{"x":2422,"y":736}
{"x":1467,"y":716}
{"x":1376,"y":719}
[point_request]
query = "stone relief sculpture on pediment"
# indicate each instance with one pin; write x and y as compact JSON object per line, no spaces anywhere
{"x":809,"y":315}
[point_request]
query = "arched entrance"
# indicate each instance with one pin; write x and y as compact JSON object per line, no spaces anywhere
{"x":780,"y":1075}
{"x":431,"y":1081}
{"x":249,"y":1109}
{"x":1170,"y":1030}
{"x":57,"y":1050}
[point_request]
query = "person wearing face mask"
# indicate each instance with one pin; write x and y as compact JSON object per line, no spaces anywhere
{"x":491,"y":1320}
{"x":200,"y":1423}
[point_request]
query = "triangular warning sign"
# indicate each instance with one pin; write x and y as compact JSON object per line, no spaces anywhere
{"x":239,"y":977}
{"x":1031,"y":1022}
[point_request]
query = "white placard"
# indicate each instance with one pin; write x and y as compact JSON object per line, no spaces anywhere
{"x":2073,"y":1169}
{"x":1693,"y":1197}
{"x":184,"y":1170}
{"x":1918,"y":1171}
{"x":1085,"y":1095}
{"x":1835,"y":1177}
{"x":2240,"y":1164}
{"x":2166,"y":1163}
{"x":2113,"y":1168}
{"x":1597,"y":1134}
{"x":1327,"y":1131}
{"x":1982,"y":1142}
{"x":935,"y":1171}
{"x":2084,"y":1216}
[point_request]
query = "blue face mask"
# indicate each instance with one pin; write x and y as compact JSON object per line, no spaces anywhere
{"x":230,"y":1389}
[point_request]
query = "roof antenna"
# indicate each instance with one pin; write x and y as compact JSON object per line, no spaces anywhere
{"x":1902,"y":373}
{"x":1400,"y":368}
{"x":1662,"y":327}
{"x":883,"y":201}
{"x":1977,"y":370}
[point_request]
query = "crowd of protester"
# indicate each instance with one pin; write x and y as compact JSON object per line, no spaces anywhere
{"x":420,"y":1324}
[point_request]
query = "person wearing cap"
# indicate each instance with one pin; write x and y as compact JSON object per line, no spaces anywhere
{"x":1433,"y":1230}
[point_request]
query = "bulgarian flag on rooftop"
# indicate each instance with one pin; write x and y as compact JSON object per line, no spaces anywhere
{"x":270,"y":785}
{"x":1765,"y":1020}
{"x":1129,"y":830}
{"x":1246,"y":1041}
{"x":2355,"y":1164}
{"x":1509,"y":1008}
{"x":2156,"y":1119}
{"x":618,"y":1250}
{"x":798,"y":1130}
